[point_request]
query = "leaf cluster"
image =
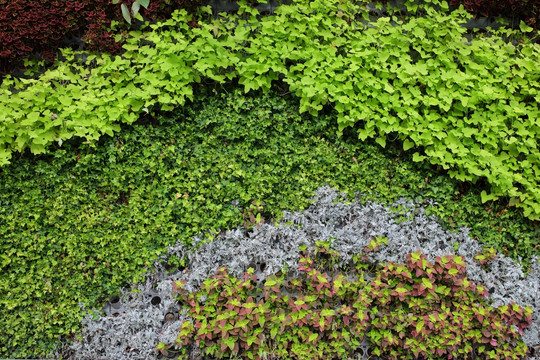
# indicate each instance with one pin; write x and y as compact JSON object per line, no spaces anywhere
{"x":317,"y":315}
{"x":431,"y":310}
{"x":528,"y":10}
{"x":407,"y":311}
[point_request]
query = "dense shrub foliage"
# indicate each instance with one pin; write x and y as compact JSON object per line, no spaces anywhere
{"x":417,"y":80}
{"x":407,"y":311}
{"x":28,"y":30}
{"x":79,"y":222}
{"x":433,"y":311}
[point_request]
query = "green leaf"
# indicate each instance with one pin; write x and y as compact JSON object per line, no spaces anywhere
{"x":486,"y":197}
{"x":125,"y":13}
{"x":417,"y":157}
{"x":419,"y":326}
{"x":328,"y":312}
{"x":524,"y":27}
{"x":135,"y":8}
{"x":144,"y":3}
{"x":427,"y":284}
{"x":407,"y":144}
{"x":312,"y":337}
{"x":230,"y":342}
{"x":381,"y":140}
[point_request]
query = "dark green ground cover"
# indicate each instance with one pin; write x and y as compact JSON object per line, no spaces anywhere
{"x":81,"y":221}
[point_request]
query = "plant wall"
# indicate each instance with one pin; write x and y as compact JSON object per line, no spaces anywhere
{"x":28,"y":31}
{"x":420,"y":80}
{"x":78,"y":223}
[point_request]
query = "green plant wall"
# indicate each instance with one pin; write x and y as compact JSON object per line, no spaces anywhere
{"x":469,"y":105}
{"x":78,"y":223}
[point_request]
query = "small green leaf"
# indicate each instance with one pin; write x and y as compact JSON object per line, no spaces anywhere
{"x":407,"y":144}
{"x":419,"y":326}
{"x":524,"y":27}
{"x":144,"y":3}
{"x":417,"y":157}
{"x":487,"y":197}
{"x":381,"y":140}
{"x":427,"y":284}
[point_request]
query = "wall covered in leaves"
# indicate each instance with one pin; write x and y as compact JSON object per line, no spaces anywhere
{"x":98,"y":186}
{"x":79,"y":222}
{"x":28,"y":31}
{"x":418,"y":79}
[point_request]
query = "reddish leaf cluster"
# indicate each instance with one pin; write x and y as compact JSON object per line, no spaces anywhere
{"x":314,"y":316}
{"x":416,"y":310}
{"x":431,"y":310}
{"x":526,"y":10}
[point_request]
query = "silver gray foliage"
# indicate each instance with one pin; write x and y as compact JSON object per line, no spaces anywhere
{"x":133,"y":329}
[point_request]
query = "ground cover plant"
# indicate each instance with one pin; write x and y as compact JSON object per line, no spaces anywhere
{"x":406,"y":311}
{"x":450,"y":100}
{"x":78,"y":223}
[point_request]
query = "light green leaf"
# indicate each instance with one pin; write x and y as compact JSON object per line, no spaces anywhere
{"x":487,"y":197}
{"x":524,"y":27}
{"x":144,"y":3}
{"x":419,"y":326}
{"x":230,"y":342}
{"x":381,"y":140}
{"x":417,"y":157}
{"x":407,"y":144}
{"x":125,"y":13}
{"x":135,"y":8}
{"x":427,"y":284}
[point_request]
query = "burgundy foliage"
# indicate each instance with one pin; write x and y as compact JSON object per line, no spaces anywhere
{"x":528,"y":11}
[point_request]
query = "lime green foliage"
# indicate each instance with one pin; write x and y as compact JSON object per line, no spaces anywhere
{"x":469,"y":106}
{"x":78,"y":223}
{"x":407,"y":311}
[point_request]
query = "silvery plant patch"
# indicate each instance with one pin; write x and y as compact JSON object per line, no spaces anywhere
{"x":134,"y":323}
